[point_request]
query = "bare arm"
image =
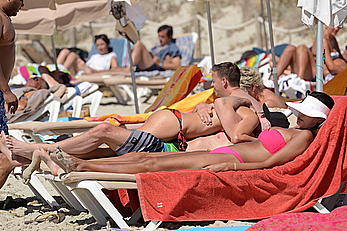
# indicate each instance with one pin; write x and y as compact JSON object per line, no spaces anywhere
{"x":237,"y":122}
{"x":49,"y":80}
{"x":244,"y":129}
{"x":170,"y":63}
{"x":295,"y":146}
{"x":334,"y":66}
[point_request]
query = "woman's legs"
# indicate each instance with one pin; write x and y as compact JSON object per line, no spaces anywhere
{"x":287,"y":59}
{"x":63,"y":54}
{"x":73,"y":63}
{"x":304,"y":66}
{"x":173,"y":162}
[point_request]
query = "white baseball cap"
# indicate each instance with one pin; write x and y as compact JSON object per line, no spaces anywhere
{"x":310,"y":106}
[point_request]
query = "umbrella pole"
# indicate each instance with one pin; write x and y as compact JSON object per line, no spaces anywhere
{"x":133,"y":80}
{"x":54,"y":53}
{"x":210,"y":35}
{"x":274,"y":68}
{"x":319,"y":56}
{"x":263,"y":24}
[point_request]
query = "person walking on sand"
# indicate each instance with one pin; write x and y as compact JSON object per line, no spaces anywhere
{"x":8,"y":8}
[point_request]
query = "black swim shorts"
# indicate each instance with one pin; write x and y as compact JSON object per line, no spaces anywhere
{"x":140,"y":141}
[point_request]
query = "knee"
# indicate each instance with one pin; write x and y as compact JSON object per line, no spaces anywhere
{"x":64,"y":52}
{"x":103,"y":130}
{"x":291,"y":48}
{"x":301,"y":48}
{"x":138,"y":45}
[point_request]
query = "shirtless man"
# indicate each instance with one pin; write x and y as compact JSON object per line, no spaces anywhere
{"x":223,"y":88}
{"x":8,"y":8}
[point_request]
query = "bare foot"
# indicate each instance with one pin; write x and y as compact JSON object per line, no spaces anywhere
{"x":33,"y":166}
{"x":38,"y":156}
{"x":20,"y":148}
{"x":6,"y":151}
{"x":66,"y":161}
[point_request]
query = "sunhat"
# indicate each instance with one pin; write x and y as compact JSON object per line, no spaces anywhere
{"x":310,"y":106}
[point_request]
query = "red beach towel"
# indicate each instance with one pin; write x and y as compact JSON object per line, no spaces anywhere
{"x":336,"y":220}
{"x":190,"y":195}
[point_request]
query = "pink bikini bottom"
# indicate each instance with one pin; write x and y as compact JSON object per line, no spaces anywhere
{"x":227,"y":150}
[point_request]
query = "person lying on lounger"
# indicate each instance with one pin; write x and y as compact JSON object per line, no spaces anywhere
{"x":252,"y":82}
{"x":273,"y":147}
{"x":230,"y":114}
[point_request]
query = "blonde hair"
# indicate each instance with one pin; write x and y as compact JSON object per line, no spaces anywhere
{"x":250,"y":77}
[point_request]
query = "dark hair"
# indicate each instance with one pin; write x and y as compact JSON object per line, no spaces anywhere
{"x":230,"y":71}
{"x":246,"y":55}
{"x":61,"y":77}
{"x":169,"y":30}
{"x":324,"y":98}
{"x":103,"y":37}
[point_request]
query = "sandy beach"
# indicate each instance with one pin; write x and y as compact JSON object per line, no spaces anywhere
{"x":19,"y":207}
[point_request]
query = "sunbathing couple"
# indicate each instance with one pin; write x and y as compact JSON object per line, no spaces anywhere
{"x":230,"y":114}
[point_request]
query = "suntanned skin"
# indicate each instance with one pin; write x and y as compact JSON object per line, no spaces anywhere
{"x":267,"y":96}
{"x":144,"y":59}
{"x":302,"y":61}
{"x":162,"y":124}
{"x":253,"y":153}
{"x":7,"y":60}
{"x":7,"y":46}
{"x":72,"y":62}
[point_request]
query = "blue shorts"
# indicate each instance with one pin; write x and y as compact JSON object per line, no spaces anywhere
{"x":3,"y":118}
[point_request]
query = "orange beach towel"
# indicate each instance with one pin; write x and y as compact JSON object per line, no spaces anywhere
{"x":185,"y":105}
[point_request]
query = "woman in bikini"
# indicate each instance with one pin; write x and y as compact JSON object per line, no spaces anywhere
{"x":273,"y":147}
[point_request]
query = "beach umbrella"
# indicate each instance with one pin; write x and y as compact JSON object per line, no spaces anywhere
{"x":329,"y":12}
{"x":44,"y":17}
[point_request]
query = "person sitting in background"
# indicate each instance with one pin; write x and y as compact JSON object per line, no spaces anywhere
{"x":301,"y":59}
{"x":251,"y":81}
{"x":104,"y":61}
{"x":165,"y":56}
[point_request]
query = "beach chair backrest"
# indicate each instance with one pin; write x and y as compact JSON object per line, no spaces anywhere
{"x":338,"y":85}
{"x":119,"y":46}
{"x":186,"y":44}
{"x":36,"y":52}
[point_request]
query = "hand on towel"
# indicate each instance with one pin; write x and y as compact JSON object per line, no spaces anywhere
{"x":221,"y":167}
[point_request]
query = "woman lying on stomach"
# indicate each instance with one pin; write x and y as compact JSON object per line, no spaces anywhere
{"x":273,"y":147}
